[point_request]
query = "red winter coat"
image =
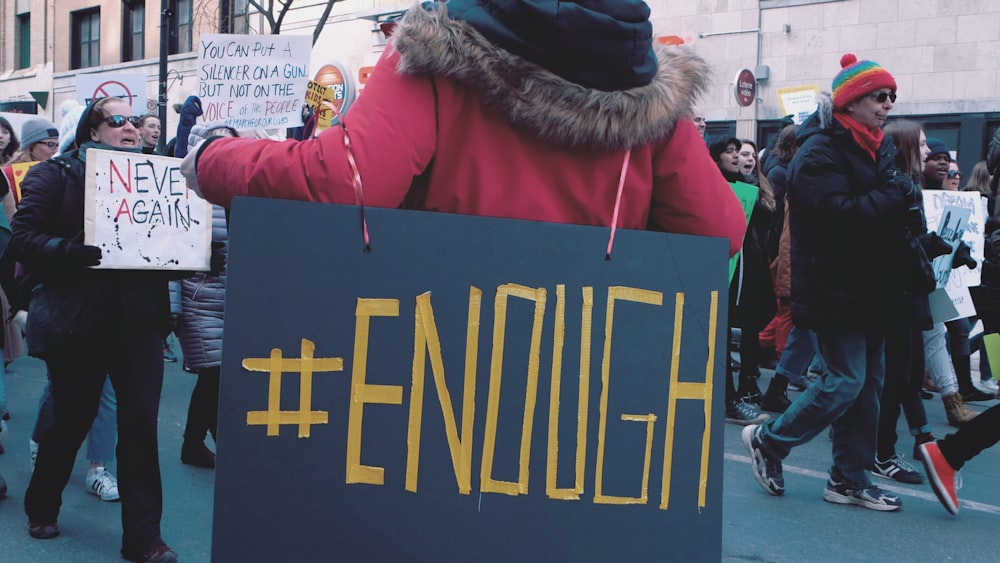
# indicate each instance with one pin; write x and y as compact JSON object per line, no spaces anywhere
{"x":473,"y":129}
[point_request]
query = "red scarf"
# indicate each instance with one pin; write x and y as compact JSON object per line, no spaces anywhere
{"x":868,"y":140}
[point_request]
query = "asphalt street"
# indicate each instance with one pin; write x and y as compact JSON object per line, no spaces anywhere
{"x":757,"y":527}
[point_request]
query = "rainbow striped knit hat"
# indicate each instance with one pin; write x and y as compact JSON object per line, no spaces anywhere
{"x":858,"y":78}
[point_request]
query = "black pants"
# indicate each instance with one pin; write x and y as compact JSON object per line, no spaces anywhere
{"x":133,"y":357}
{"x":977,"y":435}
{"x":904,"y":376}
{"x":203,"y":411}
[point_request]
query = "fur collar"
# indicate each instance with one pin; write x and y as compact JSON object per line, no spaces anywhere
{"x":535,"y":99}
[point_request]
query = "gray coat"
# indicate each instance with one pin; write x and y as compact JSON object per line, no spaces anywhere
{"x":203,"y":297}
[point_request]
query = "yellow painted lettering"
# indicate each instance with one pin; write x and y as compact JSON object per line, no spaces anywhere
{"x":616,"y":293}
{"x":693,"y":391}
{"x":362,"y":392}
{"x":426,"y":337}
{"x":487,"y":482}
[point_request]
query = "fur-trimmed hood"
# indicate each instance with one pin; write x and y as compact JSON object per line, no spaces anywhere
{"x":820,"y":120}
{"x":535,"y":99}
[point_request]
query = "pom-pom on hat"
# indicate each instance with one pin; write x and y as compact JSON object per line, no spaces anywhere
{"x":858,"y":78}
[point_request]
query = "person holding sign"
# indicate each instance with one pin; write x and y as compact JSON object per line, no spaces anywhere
{"x":467,"y":111}
{"x":847,"y":214}
{"x":87,"y":325}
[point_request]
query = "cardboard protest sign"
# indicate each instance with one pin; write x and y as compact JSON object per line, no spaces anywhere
{"x":16,"y":177}
{"x":140,"y":213}
{"x":316,"y":94}
{"x":957,"y":216}
{"x":747,"y":194}
{"x":253,"y":81}
{"x":129,"y":86}
{"x":471,"y":389}
{"x":798,"y":101}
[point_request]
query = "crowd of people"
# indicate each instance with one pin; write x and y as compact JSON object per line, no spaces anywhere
{"x":445,"y":125}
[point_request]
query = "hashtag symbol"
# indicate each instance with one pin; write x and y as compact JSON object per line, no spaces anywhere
{"x":305,"y":366}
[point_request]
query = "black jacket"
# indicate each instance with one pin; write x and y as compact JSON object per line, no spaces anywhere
{"x":83,"y":302}
{"x":847,"y":221}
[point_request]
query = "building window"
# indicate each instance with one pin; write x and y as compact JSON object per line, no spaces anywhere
{"x":133,"y":30}
{"x":22,"y":41}
{"x":86,"y":44}
{"x":234,"y":16}
{"x":180,"y":36}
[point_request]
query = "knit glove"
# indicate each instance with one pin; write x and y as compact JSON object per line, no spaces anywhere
{"x":80,"y":255}
{"x":934,"y":245}
{"x":963,"y":257}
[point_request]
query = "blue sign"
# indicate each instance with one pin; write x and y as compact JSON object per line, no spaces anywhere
{"x":470,"y":389}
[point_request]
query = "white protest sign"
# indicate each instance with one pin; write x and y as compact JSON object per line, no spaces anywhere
{"x":799,"y":101}
{"x":142,"y":216}
{"x":253,"y":81}
{"x":129,"y":86}
{"x":958,"y":215}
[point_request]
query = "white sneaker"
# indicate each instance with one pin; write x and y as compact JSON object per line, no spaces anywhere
{"x":102,"y":483}
{"x":33,"y":448}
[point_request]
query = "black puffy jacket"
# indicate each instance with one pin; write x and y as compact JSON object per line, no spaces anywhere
{"x":847,"y":221}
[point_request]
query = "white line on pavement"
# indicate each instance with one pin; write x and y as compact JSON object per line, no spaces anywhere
{"x":924,"y":495}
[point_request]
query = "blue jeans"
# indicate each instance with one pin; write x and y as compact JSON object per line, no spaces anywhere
{"x":846,"y":396}
{"x":800,"y":350}
{"x":103,"y":431}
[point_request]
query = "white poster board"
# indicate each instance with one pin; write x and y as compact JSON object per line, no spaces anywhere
{"x":253,"y":81}
{"x":129,"y":86}
{"x":799,"y":101}
{"x":141,"y":214}
{"x":954,"y":216}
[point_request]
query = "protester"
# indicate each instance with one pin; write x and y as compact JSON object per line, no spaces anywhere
{"x":89,"y":324}
{"x":451,"y":89}
{"x":953,"y":177}
{"x":199,"y":330}
{"x":748,"y":159}
{"x":847,"y":207}
{"x":907,"y":319}
{"x":698,"y":117}
{"x":149,"y":133}
{"x":944,"y":458}
{"x":8,"y":142}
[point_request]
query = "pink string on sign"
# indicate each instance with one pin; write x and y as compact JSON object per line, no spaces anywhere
{"x":359,"y":192}
{"x":618,"y":203}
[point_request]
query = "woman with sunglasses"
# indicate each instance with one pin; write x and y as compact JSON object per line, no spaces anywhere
{"x":953,"y":177}
{"x":88,"y":325}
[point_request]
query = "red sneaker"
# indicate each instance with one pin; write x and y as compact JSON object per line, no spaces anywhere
{"x":941,"y":475}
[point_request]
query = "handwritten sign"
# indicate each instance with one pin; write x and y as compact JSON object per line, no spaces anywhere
{"x":141,"y":215}
{"x":129,"y":86}
{"x":472,"y":381}
{"x":799,"y":101}
{"x":253,"y":81}
{"x":957,"y":216}
{"x":316,"y":94}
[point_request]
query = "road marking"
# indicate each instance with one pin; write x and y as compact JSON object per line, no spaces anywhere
{"x":903,"y":491}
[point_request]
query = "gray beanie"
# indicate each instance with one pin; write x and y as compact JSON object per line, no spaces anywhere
{"x":36,"y":130}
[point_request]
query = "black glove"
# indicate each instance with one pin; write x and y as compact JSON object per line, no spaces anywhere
{"x":963,"y":257}
{"x":934,"y":245}
{"x":217,"y":263}
{"x":79,"y":254}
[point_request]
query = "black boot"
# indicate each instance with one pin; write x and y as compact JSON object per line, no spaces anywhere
{"x":748,"y":390}
{"x":963,"y":372}
{"x":776,"y":397}
{"x":197,"y":454}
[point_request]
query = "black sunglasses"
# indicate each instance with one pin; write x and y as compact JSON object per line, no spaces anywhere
{"x":881,"y":97}
{"x":954,"y":174}
{"x":116,"y":121}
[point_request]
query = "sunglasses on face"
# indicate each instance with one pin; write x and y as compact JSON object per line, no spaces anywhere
{"x":881,"y":97}
{"x":51,"y":144}
{"x":954,"y":174}
{"x":116,"y":121}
